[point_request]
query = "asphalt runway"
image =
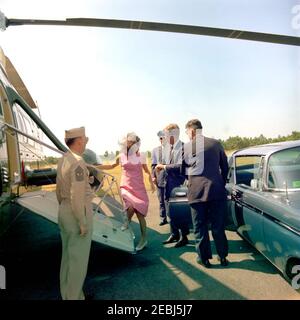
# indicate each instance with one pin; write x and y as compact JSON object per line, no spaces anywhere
{"x":31,"y":250}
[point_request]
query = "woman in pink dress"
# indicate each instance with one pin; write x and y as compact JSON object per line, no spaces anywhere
{"x":132,"y":185}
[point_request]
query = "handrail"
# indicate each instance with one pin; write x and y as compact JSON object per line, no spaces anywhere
{"x":30,"y":137}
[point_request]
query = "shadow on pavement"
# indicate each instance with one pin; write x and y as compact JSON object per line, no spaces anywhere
{"x":31,"y":251}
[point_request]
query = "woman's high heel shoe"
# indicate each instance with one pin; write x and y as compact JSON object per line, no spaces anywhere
{"x":141,"y":246}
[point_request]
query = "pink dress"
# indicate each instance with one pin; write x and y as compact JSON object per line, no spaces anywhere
{"x":132,"y":185}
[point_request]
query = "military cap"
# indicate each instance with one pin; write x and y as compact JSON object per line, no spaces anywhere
{"x":75,"y":133}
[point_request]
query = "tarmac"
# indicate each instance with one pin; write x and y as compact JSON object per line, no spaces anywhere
{"x":31,"y":249}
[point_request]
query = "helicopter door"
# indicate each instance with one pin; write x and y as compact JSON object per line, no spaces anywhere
{"x":3,"y":156}
{"x":9,"y":152}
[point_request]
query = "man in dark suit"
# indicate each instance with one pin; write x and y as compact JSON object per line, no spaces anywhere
{"x":205,"y":164}
{"x":172,"y":156}
{"x":158,"y":177}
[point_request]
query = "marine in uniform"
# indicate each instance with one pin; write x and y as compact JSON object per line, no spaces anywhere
{"x":75,"y":216}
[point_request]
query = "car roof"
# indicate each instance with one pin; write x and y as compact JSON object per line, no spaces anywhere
{"x":267,"y":149}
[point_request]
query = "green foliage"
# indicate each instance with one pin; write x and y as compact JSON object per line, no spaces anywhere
{"x":235,"y":143}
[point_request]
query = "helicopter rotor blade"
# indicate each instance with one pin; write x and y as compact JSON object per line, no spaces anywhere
{"x":164,"y":27}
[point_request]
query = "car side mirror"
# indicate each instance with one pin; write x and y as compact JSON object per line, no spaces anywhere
{"x":254,"y":184}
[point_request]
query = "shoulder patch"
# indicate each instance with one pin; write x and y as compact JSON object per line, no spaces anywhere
{"x":79,"y":174}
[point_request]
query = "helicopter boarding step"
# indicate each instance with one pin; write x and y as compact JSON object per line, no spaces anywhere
{"x":107,"y":221}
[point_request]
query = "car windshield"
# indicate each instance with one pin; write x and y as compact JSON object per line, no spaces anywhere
{"x":284,"y":169}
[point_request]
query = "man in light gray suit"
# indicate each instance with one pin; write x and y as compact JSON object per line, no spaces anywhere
{"x":173,"y":156}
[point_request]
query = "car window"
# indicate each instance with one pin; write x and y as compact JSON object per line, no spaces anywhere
{"x":231,"y":170}
{"x":284,"y":169}
{"x":246,"y":169}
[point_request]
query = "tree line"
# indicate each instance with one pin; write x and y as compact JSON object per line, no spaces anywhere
{"x":232,"y":143}
{"x":237,"y":142}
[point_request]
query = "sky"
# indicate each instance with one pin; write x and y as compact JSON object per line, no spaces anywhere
{"x":116,"y":81}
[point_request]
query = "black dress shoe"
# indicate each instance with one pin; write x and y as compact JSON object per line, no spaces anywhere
{"x":163,"y":222}
{"x":182,"y":242}
{"x":171,"y":239}
{"x":204,"y":263}
{"x":224,"y":262}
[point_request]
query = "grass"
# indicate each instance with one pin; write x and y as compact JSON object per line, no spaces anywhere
{"x":116,"y":172}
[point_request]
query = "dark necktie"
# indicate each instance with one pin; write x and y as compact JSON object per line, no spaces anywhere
{"x":171,"y":154}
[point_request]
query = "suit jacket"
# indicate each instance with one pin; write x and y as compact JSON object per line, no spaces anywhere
{"x":174,"y":178}
{"x":206,"y":167}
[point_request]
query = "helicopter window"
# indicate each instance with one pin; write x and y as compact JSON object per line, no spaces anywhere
{"x":34,"y":130}
{"x":19,"y":122}
{"x":29,"y":129}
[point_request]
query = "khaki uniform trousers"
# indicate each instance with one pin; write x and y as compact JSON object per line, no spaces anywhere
{"x":75,"y":252}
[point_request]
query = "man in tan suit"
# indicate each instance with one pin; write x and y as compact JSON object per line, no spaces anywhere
{"x":75,"y":215}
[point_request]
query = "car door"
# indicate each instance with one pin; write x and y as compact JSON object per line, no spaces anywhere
{"x":231,"y":223}
{"x":247,"y":216}
{"x":281,"y":209}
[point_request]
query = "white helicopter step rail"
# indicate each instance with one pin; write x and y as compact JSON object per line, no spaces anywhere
{"x":109,"y":215}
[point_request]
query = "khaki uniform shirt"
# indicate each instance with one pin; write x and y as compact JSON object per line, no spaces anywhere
{"x":72,"y":184}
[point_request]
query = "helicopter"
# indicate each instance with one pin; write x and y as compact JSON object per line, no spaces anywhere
{"x":22,"y":132}
{"x":25,"y":172}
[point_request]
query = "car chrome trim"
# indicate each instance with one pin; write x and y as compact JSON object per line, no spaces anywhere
{"x":286,"y":226}
{"x":177,"y":200}
{"x":269,"y":217}
{"x":249,"y":206}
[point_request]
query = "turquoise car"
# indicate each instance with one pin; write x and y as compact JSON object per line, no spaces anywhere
{"x":264,"y":201}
